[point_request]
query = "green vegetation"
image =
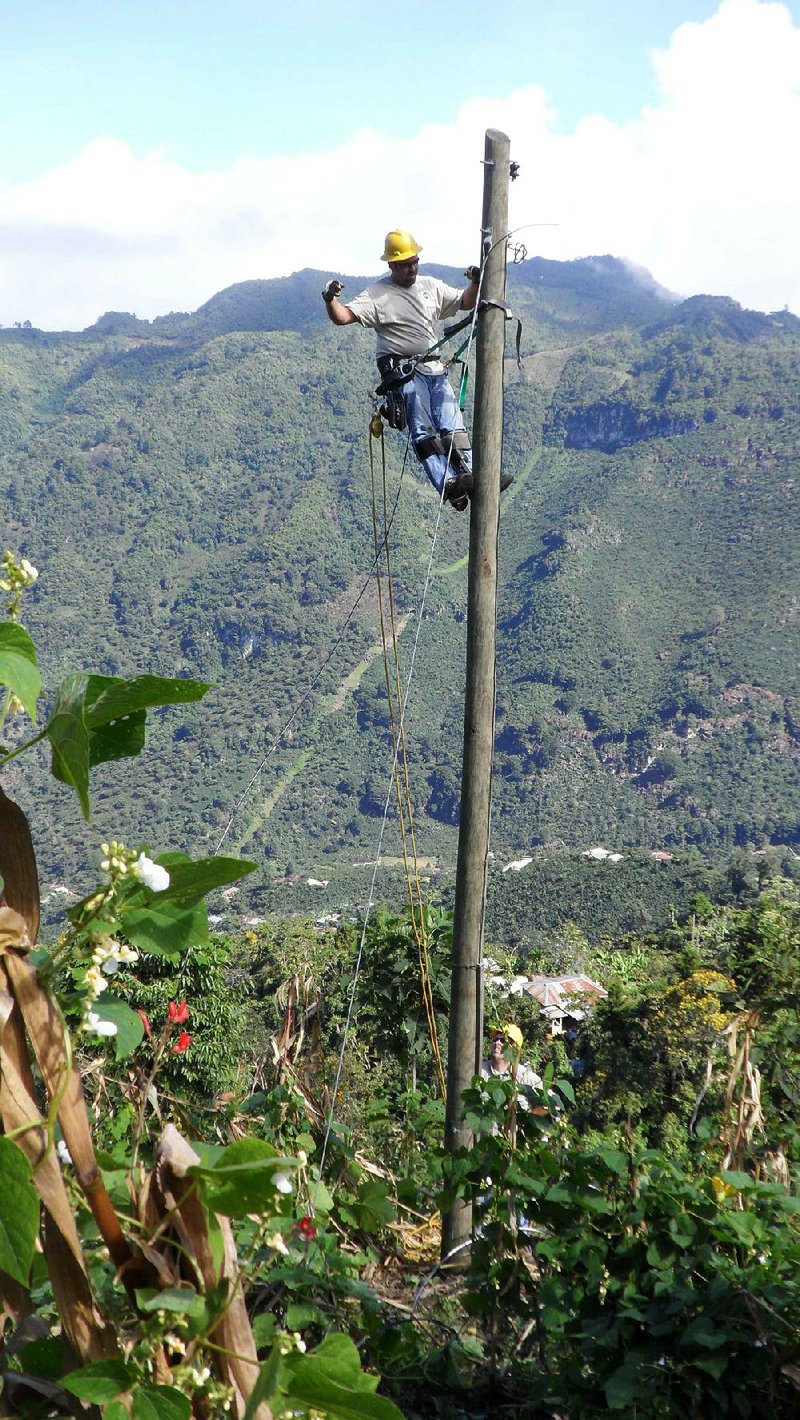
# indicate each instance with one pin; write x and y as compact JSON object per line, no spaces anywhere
{"x":221,"y":1171}
{"x":196,"y":490}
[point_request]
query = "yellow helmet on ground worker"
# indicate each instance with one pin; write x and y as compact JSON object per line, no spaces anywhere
{"x":400,"y":246}
{"x":509,"y":1032}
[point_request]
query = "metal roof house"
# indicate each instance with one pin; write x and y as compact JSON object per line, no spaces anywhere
{"x":564,"y":999}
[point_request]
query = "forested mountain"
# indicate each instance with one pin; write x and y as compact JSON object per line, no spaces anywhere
{"x":195,"y":491}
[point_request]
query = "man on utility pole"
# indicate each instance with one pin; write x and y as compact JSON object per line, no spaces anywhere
{"x":466,"y":1011}
{"x":404,"y":308}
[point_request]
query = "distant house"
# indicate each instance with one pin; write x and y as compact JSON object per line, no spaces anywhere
{"x":564,"y":1000}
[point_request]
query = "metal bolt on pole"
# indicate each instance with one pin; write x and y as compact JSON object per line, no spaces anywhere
{"x":466,"y":1011}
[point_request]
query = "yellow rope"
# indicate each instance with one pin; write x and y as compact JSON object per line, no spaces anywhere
{"x":420,"y":928}
{"x":380,"y":550}
{"x":399,"y":747}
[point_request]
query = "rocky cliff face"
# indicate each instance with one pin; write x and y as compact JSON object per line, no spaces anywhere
{"x":614,"y":424}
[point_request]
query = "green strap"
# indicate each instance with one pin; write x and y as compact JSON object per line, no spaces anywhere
{"x":448,"y":335}
{"x":462,"y":389}
{"x":460,"y":325}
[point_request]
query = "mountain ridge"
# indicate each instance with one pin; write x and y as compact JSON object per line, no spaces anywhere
{"x":198,"y":503}
{"x":286,"y":302}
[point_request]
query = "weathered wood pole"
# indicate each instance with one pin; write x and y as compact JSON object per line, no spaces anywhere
{"x":466,"y":1011}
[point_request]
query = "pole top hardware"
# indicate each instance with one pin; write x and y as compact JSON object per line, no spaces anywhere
{"x":513,"y":169}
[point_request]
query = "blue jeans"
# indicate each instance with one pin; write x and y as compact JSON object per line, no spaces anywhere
{"x":432,"y":408}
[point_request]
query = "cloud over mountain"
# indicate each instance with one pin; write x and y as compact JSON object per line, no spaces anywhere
{"x":698,"y":188}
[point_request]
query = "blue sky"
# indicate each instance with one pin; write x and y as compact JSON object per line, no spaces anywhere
{"x":213,"y":82}
{"x":156,"y":152}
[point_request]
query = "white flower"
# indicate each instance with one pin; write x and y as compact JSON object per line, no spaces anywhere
{"x":30,"y":573}
{"x":95,"y":981}
{"x":282,"y":1182}
{"x":151,"y":874}
{"x":275,"y":1241}
{"x":109,"y":954}
{"x":63,"y":1152}
{"x":95,"y":1026}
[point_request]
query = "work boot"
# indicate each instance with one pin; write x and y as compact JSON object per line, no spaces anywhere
{"x":457,"y":491}
{"x":465,"y":483}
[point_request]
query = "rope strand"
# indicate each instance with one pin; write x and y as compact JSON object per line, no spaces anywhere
{"x":371,"y":902}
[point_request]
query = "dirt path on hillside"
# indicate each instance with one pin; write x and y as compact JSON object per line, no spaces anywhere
{"x":328,"y":705}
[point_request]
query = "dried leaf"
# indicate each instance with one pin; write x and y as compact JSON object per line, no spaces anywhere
{"x":47,"y":1035}
{"x":33,"y":1328}
{"x":15,"y":1302}
{"x":48,"y":1038}
{"x":18,"y":866}
{"x":83,"y":1324}
{"x":237,"y":1361}
{"x":13,"y":930}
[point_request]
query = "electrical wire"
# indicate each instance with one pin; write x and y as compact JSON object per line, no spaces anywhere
{"x":307,"y":692}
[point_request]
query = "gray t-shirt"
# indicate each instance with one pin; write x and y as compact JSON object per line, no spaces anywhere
{"x":526,"y":1079}
{"x":405,"y":317}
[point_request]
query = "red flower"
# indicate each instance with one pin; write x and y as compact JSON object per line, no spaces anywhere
{"x":184,"y":1040}
{"x":146,"y":1023}
{"x":178,"y":1013}
{"x":305,"y":1229}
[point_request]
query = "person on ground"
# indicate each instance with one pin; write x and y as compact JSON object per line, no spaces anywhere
{"x":404,"y":308}
{"x":505,"y":1061}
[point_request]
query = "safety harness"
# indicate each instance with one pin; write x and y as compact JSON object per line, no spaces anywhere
{"x":397,"y":370}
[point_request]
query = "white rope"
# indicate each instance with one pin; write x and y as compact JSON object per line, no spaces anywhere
{"x":398,"y":738}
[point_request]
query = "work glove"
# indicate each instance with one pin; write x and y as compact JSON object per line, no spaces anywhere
{"x":331,"y":290}
{"x":474,"y":274}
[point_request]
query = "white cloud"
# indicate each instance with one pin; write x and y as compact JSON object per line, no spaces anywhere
{"x":699,"y":188}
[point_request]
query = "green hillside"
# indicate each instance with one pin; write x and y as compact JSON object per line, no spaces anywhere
{"x":195,"y":493}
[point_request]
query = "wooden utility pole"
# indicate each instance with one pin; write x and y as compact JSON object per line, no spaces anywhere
{"x":466,"y":1009}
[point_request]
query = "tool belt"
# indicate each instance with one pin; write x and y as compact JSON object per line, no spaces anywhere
{"x":395,"y":370}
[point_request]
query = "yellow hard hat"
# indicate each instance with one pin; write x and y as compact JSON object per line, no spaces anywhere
{"x":399,"y":246}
